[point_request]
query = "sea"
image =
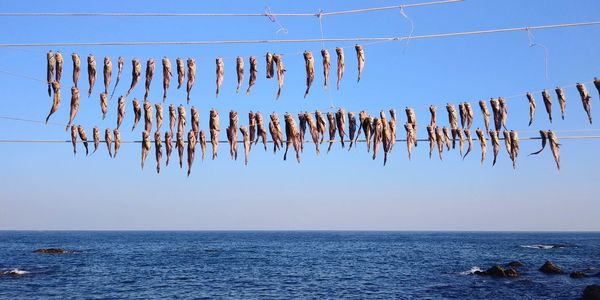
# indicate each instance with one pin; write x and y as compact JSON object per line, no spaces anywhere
{"x":291,"y":265}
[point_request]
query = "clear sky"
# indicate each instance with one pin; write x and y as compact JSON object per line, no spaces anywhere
{"x":43,"y":186}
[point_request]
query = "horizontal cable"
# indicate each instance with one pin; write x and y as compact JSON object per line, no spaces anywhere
{"x":319,"y":14}
{"x":317,"y":40}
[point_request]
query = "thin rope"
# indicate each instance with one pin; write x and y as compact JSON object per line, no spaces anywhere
{"x":273,"y":19}
{"x":265,"y":14}
{"x":412,"y":26}
{"x":532,"y":44}
{"x":354,"y":39}
{"x":23,"y":76}
{"x":31,"y":121}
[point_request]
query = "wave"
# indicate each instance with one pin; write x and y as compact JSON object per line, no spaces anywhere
{"x":471,"y":271}
{"x":547,"y":246}
{"x":15,"y":272}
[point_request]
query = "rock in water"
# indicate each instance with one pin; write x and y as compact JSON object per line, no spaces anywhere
{"x":550,"y":268}
{"x":591,"y":292}
{"x":52,"y":251}
{"x":577,"y":274}
{"x":515,"y":264}
{"x":496,"y":271}
{"x":510,"y":272}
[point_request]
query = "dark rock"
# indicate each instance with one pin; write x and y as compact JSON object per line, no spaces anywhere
{"x":550,"y":268}
{"x":591,"y":292}
{"x":52,"y":251}
{"x":510,"y":272}
{"x":496,"y":271}
{"x":480,"y":273}
{"x":577,"y":274}
{"x":515,"y":264}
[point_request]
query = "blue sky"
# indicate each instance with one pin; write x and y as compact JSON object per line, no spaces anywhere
{"x":45,"y":187}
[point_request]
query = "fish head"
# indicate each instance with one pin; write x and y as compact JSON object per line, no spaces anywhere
{"x":339,"y":51}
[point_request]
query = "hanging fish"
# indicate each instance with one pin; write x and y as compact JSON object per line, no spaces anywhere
{"x":486,"y":114}
{"x":276,"y":133}
{"x":431,"y":139}
{"x":59,"y":65}
{"x":495,"y":144}
{"x":360,"y":55}
{"x":96,"y":136}
{"x":166,"y":64}
{"x":91,"y":68}
{"x":439,"y":138}
{"x":332,"y":129}
{"x":261,"y":130}
{"x":461,"y":140}
{"x":410,"y":117}
{"x":120,"y":111}
{"x":120,"y":64}
{"x":497,"y":113}
{"x":103,"y":104}
{"x":137,"y":113}
{"x":454,"y":132}
{"x":181,"y":120}
{"x":149,"y":74}
{"x":202,"y":141}
{"x":585,"y":99}
{"x":214,"y":128}
{"x":394,"y":118}
{"x":382,"y":118}
{"x":433,"y":112}
{"x":531,"y":107}
{"x":508,"y":144}
{"x":56,"y":98}
{"x":340,"y":120}
{"x":180,"y":144}
{"x":148,"y":116}
{"x":292,"y":136}
{"x":547,"y":103}
{"x":83,"y":138}
{"x":309,"y":64}
{"x":368,"y":128}
{"x":270,"y":67}
{"x":597,"y":84}
{"x":157,"y":149}
{"x":470,"y":115}
{"x":377,"y":135}
{"x":195,"y":121}
{"x":239,"y":67}
{"x":386,"y":141}
{"x":253,"y":74}
{"x":503,"y":111}
{"x":554,"y":147}
{"x":117,"y":135}
{"x":326,"y":66}
{"x":362,"y":116}
{"x":172,"y":118}
{"x":76,"y":68}
{"x":351,"y":128}
{"x":108,"y":141}
{"x":74,"y":138}
{"x":50,"y":62}
{"x":168,"y":145}
{"x":410,"y":138}
{"x":452,"y":118}
{"x":514,"y":141}
{"x":543,"y":137}
{"x":252,"y":127}
{"x":136,"y":72}
{"x":562,"y":101}
{"x":191,"y":150}
{"x":462,"y":112}
{"x":302,"y":121}
{"x":314,"y":133}
{"x":246,"y":140}
{"x":340,"y":65}
{"x":469,"y":141}
{"x":482,"y":142}
{"x":159,"y":115}
{"x":392,"y":125}
{"x":107,"y":72}
{"x":280,"y":72}
{"x":446,"y":137}
{"x":232,"y":134}
{"x":321,"y":127}
{"x":145,"y":146}
{"x":74,"y":106}
{"x":179,"y":62}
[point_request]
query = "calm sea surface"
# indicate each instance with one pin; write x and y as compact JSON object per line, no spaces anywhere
{"x":291,"y":265}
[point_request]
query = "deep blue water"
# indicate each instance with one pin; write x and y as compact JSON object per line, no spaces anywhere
{"x":291,"y":265}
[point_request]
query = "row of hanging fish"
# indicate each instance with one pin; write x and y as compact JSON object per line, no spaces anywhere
{"x":274,"y":67}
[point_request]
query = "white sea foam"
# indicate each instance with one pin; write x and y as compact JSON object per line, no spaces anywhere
{"x":15,"y":272}
{"x":472,"y":271}
{"x":545,"y":246}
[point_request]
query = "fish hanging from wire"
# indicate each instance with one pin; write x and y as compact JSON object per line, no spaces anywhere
{"x":96,"y":135}
{"x":386,"y":140}
{"x":547,"y":103}
{"x":117,"y":135}
{"x":360,"y":55}
{"x":261,"y":129}
{"x":309,"y":64}
{"x":495,"y":144}
{"x":302,"y":121}
{"x":321,"y":125}
{"x":181,"y":118}
{"x":172,"y":118}
{"x":180,"y":64}
{"x":157,"y":150}
{"x":56,"y":99}
{"x":486,"y":114}
{"x":214,"y":127}
{"x":410,"y":138}
{"x":180,"y":144}
{"x":482,"y":142}
{"x":497,"y":114}
{"x":120,"y":111}
{"x":433,"y":117}
{"x":91,"y":69}
{"x":431,"y":139}
{"x":467,"y":132}
{"x":145,"y":146}
{"x":74,"y":106}
{"x":597,"y":84}
{"x":470,"y":115}
{"x":462,"y":113}
{"x":59,"y":65}
{"x":136,"y":72}
{"x":562,"y":101}
{"x":239,"y":68}
{"x":270,"y":66}
{"x":159,"y":115}
{"x":107,"y":73}
{"x":232,"y":134}
{"x":108,"y":141}
{"x":191,"y":150}
{"x":314,"y":133}
{"x":585,"y":100}
{"x":439,"y":138}
{"x":120,"y":65}
{"x":292,"y":136}
{"x":514,"y":141}
{"x":220,"y":73}
{"x":168,"y":145}
{"x":83,"y":137}
{"x":195,"y":121}
{"x":544,"y":138}
{"x":326,"y":66}
{"x":74,"y":139}
{"x":50,"y":62}
{"x":531,"y":101}
{"x":148,"y":116}
{"x":377,"y":135}
{"x":252,"y":127}
{"x":340,"y":65}
{"x":76,"y":67}
{"x":246,"y":141}
{"x":332,"y":129}
{"x":137,"y":112}
{"x":253,"y":75}
{"x":191,"y":73}
{"x":277,"y":59}
{"x":554,"y":147}
{"x":447,"y":139}
{"x":275,"y":131}
{"x":351,"y":128}
{"x":202,"y":141}
{"x":103,"y":104}
{"x":503,"y":111}
{"x":166,"y":67}
{"x":340,"y":120}
{"x":452,"y":117}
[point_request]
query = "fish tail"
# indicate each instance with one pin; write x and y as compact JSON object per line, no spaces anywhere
{"x":278,"y":94}
{"x":49,"y":90}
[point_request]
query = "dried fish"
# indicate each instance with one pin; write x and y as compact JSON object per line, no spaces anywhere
{"x":360,"y":55}
{"x":159,"y":115}
{"x":103,"y":104}
{"x":368,"y":128}
{"x":470,"y":115}
{"x":302,"y":121}
{"x":262,"y":131}
{"x":280,"y":72}
{"x":326,"y":66}
{"x":597,"y":84}
{"x":145,"y":146}
{"x":191,"y":76}
{"x":585,"y":99}
{"x":446,"y":137}
{"x":56,"y":99}
{"x":202,"y":141}
{"x":462,"y":112}
{"x":332,"y":129}
{"x":486,"y":114}
{"x":452,"y":118}
{"x":469,"y":141}
{"x":232,"y":134}
{"x":96,"y":136}
{"x":253,"y":74}
{"x":136,"y":72}
{"x":246,"y":140}
{"x":292,"y":136}
{"x":181,"y":119}
{"x":120,"y":64}
{"x":172,"y":118}
{"x":50,"y":62}
{"x":377,"y":135}
{"x":340,"y":120}
{"x":543,"y":137}
{"x":120,"y":111}
{"x":555,"y":147}
{"x":74,"y":105}
{"x":321,"y":127}
{"x":270,"y":66}
{"x":276,"y":133}
{"x":351,"y":128}
{"x":314,"y":133}
{"x":83,"y":138}
{"x":410,"y":117}
{"x":562,"y":101}
{"x":108,"y":141}
{"x":59,"y":65}
{"x":91,"y":68}
{"x":461,"y":139}
{"x":117,"y":135}
{"x":168,"y":145}
{"x":107,"y":72}
{"x":503,"y":111}
{"x":495,"y":144}
{"x":531,"y":107}
{"x":252,"y":127}
{"x":433,"y":112}
{"x":214,"y":127}
{"x":340,"y":65}
{"x":239,"y":67}
{"x":191,"y":150}
{"x":482,"y":142}
{"x":410,"y":138}
{"x":514,"y":142}
{"x":137,"y":112}
{"x":309,"y":64}
{"x":497,"y":113}
{"x":387,"y":142}
{"x":180,"y":64}
{"x":547,"y":103}
{"x":439,"y":138}
{"x":195,"y":121}
{"x":180,"y":144}
{"x":157,"y":149}
{"x":76,"y":68}
{"x":166,"y":67}
{"x":148,"y":116}
{"x":431,"y":139}
{"x":74,"y":138}
{"x":508,"y":143}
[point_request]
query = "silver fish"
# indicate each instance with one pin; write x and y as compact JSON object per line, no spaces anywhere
{"x":332,"y":129}
{"x":181,"y":118}
{"x":433,"y":112}
{"x":514,"y":141}
{"x":83,"y":138}
{"x":497,"y":113}
{"x":261,"y":130}
{"x":76,"y":68}
{"x":270,"y":67}
{"x":148,"y":116}
{"x":562,"y":101}
{"x":214,"y":128}
{"x":117,"y":135}
{"x":275,"y":131}
{"x":191,"y":150}
{"x":157,"y":150}
{"x":280,"y":72}
{"x":555,"y":147}
{"x":195,"y":121}
{"x":585,"y":99}
{"x":495,"y":144}
{"x":326,"y":66}
{"x":360,"y":55}
{"x":50,"y":62}
{"x":108,"y":141}
{"x":137,"y":113}
{"x":377,"y":135}
{"x":74,"y":106}
{"x":107,"y":72}
{"x":351,"y":128}
{"x":167,"y":74}
{"x":103,"y":104}
{"x":149,"y":75}
{"x":191,"y":76}
{"x":74,"y":138}
{"x":145,"y":146}
{"x":321,"y":127}
{"x":340,"y":120}
{"x":172,"y":118}
{"x":96,"y":136}
{"x":543,"y":137}
{"x":431,"y":139}
{"x":486,"y":114}
{"x":292,"y":136}
{"x":246,"y":140}
{"x":469,"y":141}
{"x":252,"y":127}
{"x":232,"y":134}
{"x":446,"y":132}
{"x":91,"y":68}
{"x":120,"y":111}
{"x":120,"y":64}
{"x":439,"y":138}
{"x":56,"y":99}
{"x":180,"y":144}
{"x":503,"y":111}
{"x":239,"y":67}
{"x":202,"y":141}
{"x":159,"y":115}
{"x":302,"y":134}
{"x":410,"y":138}
{"x":180,"y":64}
{"x":309,"y":64}
{"x":547,"y":103}
{"x":340,"y":65}
{"x":136,"y":72}
{"x":59,"y":65}
{"x":314,"y":133}
{"x":482,"y":142}
{"x":168,"y":145}
{"x":253,"y":74}
{"x":531,"y":107}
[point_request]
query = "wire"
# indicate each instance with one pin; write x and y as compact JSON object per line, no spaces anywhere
{"x":265,"y":14}
{"x":317,"y":40}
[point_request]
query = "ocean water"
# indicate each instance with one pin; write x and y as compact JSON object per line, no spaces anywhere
{"x":291,"y":265}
